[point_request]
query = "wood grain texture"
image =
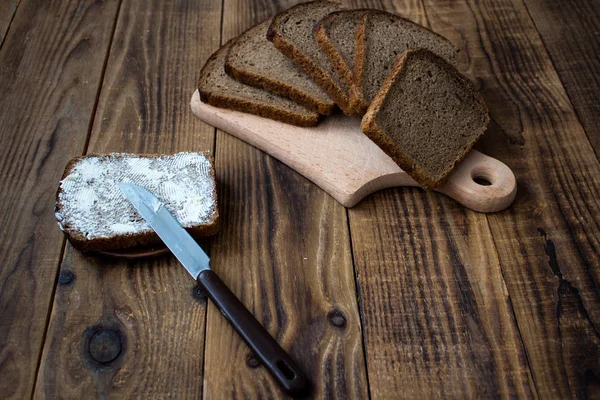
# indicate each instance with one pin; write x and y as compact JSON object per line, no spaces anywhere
{"x":548,"y":242}
{"x":50,"y":68}
{"x":342,"y":161}
{"x":285,"y":252}
{"x":437,"y":318}
{"x":438,"y":321}
{"x":411,"y":9}
{"x":125,"y":328}
{"x":152,"y":71}
{"x":7,"y":11}
{"x":569,"y":31}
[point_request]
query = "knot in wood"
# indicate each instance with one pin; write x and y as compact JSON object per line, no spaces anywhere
{"x":337,"y":318}
{"x":105,"y":346}
{"x":252,"y":361}
{"x":65,"y":278}
{"x":199,"y":293}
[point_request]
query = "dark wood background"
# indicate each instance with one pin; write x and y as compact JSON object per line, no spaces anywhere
{"x":407,"y":294}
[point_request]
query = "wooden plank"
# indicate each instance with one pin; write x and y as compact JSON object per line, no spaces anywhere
{"x":569,"y":31}
{"x":285,"y":252}
{"x":7,"y":11}
{"x":136,"y":329}
{"x":50,"y":67}
{"x":548,"y":242}
{"x":438,"y":322}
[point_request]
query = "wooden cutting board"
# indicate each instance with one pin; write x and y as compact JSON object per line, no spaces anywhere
{"x":342,"y":161}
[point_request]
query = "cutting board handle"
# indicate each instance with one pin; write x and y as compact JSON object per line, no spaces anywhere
{"x":481,"y":183}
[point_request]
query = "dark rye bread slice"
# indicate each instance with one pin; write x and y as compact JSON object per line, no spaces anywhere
{"x":255,"y":61}
{"x":380,"y":39}
{"x":426,"y":116}
{"x":336,"y":35}
{"x":220,"y":90}
{"x":292,"y":33}
{"x":95,"y":216}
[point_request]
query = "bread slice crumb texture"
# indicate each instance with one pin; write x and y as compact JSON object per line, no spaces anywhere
{"x":220,"y":90}
{"x":426,"y":117}
{"x":336,"y":35}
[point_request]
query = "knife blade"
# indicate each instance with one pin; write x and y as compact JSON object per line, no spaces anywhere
{"x":197,"y":263}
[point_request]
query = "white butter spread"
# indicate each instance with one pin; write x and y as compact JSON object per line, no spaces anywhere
{"x":91,"y":203}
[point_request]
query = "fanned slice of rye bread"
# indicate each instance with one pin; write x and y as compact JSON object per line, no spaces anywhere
{"x":336,"y":35}
{"x":292,"y":33}
{"x":220,"y":90}
{"x":95,"y":215}
{"x":426,"y":116}
{"x":380,"y":39}
{"x":255,"y":61}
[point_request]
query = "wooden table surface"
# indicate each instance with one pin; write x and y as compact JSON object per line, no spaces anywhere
{"x":407,"y":294}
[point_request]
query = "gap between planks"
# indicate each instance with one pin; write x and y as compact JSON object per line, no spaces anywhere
{"x":509,"y":298}
{"x":214,"y":154}
{"x":561,"y":78}
{"x":84,"y":152}
{"x":101,"y":81}
{"x":4,"y":34}
{"x":357,"y":295}
{"x":48,"y":315}
{"x":512,"y":309}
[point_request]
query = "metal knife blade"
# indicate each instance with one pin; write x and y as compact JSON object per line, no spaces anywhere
{"x":183,"y":246}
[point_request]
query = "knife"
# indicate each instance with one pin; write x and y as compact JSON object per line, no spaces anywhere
{"x":196,"y":262}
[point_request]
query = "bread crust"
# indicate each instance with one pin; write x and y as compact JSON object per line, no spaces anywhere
{"x":274,"y":85}
{"x":380,"y":138}
{"x":264,"y":111}
{"x":306,"y":64}
{"x":248,"y":106}
{"x":129,"y":240}
{"x":329,"y":48}
{"x":357,"y":98}
{"x":357,"y":101}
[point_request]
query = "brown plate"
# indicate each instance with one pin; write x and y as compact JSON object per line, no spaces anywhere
{"x":137,"y":252}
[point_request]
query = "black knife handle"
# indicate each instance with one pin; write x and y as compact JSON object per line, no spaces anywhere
{"x":277,"y":361}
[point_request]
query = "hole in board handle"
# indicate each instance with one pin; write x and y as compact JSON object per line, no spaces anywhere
{"x":287,"y":371}
{"x":482,"y":181}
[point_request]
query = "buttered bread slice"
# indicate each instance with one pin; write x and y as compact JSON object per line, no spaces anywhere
{"x":95,"y":215}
